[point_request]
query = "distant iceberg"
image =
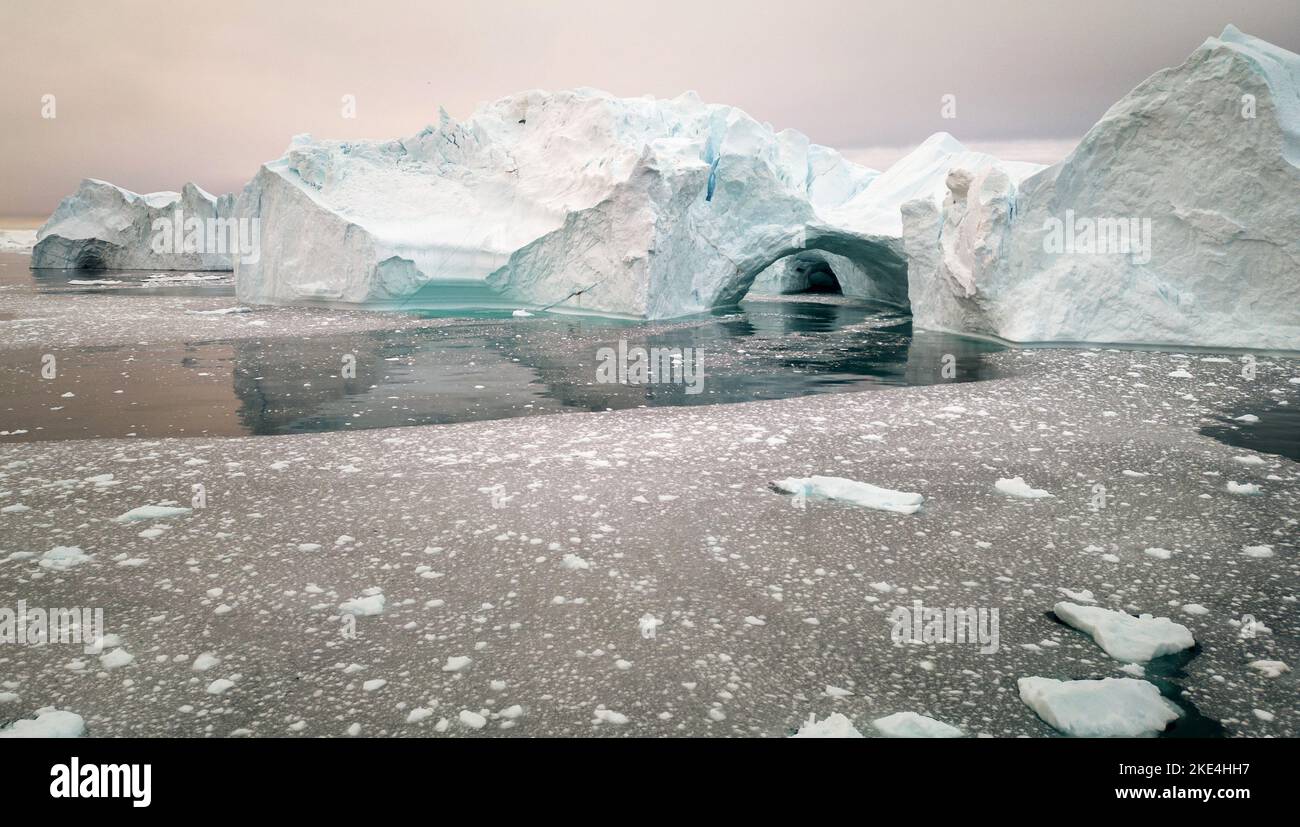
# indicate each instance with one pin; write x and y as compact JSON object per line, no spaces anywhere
{"x":106,"y":227}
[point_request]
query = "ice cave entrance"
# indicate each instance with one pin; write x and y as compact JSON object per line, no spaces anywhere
{"x":807,"y":272}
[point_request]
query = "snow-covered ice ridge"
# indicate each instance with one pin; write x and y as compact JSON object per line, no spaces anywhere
{"x":106,"y":227}
{"x":1200,"y":165}
{"x":618,"y":206}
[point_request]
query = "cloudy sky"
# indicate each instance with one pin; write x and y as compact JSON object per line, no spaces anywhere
{"x":149,"y":95}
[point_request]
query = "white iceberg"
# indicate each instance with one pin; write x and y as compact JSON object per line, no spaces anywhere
{"x":49,"y":723}
{"x":576,"y":200}
{"x":1172,"y":222}
{"x":1125,"y":637}
{"x":914,"y":725}
{"x":851,"y":491}
{"x":1017,"y":487}
{"x":1106,"y":708}
{"x":835,"y":725}
{"x":106,"y":227}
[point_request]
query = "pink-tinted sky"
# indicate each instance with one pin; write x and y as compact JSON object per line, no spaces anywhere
{"x":149,"y":95}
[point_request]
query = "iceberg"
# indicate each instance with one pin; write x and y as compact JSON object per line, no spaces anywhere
{"x":106,"y":227}
{"x":1106,"y":708}
{"x":835,"y":725}
{"x":584,"y":202}
{"x":851,"y":491}
{"x":1173,"y":222}
{"x":914,"y":725}
{"x":1125,"y":637}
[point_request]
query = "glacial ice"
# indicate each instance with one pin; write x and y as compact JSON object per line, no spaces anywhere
{"x":1106,"y":708}
{"x":914,"y":725}
{"x":835,"y":725}
{"x":1125,"y":637}
{"x":1173,"y":222}
{"x":851,"y":491}
{"x":105,"y":227}
{"x":49,"y":723}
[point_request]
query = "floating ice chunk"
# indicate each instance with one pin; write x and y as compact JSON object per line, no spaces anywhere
{"x":1158,"y":553}
{"x":364,"y":606}
{"x":914,"y":725}
{"x":222,"y":311}
{"x":1124,"y":637}
{"x":62,"y":558}
{"x":835,"y":725}
{"x":116,"y":659}
{"x":473,"y":720}
{"x":609,"y":716}
{"x":151,"y":512}
{"x":1257,"y":551}
{"x":49,"y":723}
{"x":456,"y":663}
{"x":1249,"y":419}
{"x":219,"y":686}
{"x":1106,"y":708}
{"x":1270,"y":668}
{"x":573,"y":561}
{"x":846,"y":490}
{"x":1248,"y":488}
{"x":1017,"y":487}
{"x":205,"y":661}
{"x":521,"y":313}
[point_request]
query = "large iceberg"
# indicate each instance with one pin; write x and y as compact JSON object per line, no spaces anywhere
{"x":585,"y":202}
{"x":1175,"y":221}
{"x":576,"y":199}
{"x":106,"y":227}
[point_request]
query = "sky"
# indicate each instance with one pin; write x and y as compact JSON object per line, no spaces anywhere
{"x":149,"y":95}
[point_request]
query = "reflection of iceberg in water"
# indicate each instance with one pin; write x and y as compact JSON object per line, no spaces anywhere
{"x":476,"y":369}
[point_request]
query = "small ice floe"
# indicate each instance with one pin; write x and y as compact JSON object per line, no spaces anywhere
{"x":49,"y":723}
{"x":1017,"y":487}
{"x":1125,"y":637}
{"x":1085,"y":596}
{"x":914,"y":725}
{"x":1158,"y":553}
{"x":574,"y":562}
{"x":151,"y":512}
{"x":94,"y":282}
{"x":521,"y":313}
{"x":846,"y":490}
{"x":1106,"y":708}
{"x":835,"y":725}
{"x":116,"y":659}
{"x":219,"y":686}
{"x":473,"y":720}
{"x":221,"y":311}
{"x":1270,"y":668}
{"x":16,"y":508}
{"x":62,"y":558}
{"x":609,"y":716}
{"x":1180,"y":374}
{"x":1249,"y":459}
{"x":367,"y":606}
{"x":205,"y":661}
{"x":456,"y":663}
{"x":1257,"y":551}
{"x":1248,"y":488}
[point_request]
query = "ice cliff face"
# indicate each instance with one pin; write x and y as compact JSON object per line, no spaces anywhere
{"x":1175,"y":221}
{"x":636,"y":207}
{"x":101,"y":226}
